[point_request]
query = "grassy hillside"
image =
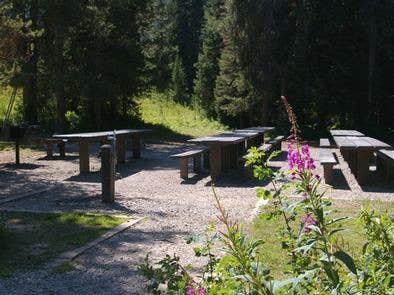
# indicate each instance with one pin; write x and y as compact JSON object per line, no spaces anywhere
{"x":5,"y":94}
{"x":158,"y":110}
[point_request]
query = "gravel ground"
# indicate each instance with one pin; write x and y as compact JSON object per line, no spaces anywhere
{"x":148,"y":187}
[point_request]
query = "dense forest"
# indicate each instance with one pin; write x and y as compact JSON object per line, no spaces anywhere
{"x":81,"y":63}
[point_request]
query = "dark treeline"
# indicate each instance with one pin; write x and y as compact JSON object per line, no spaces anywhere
{"x":230,"y":59}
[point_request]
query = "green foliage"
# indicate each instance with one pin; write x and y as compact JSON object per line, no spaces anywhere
{"x":179,"y":81}
{"x":73,"y":120}
{"x":207,"y":66}
{"x":159,"y":109}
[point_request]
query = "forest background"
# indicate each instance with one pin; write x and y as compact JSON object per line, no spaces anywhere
{"x":84,"y":64}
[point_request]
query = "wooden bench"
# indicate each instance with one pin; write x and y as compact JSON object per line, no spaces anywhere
{"x":184,"y":160}
{"x":327,"y":160}
{"x":273,"y":144}
{"x":49,"y":142}
{"x":385,"y":163}
{"x":325,"y":143}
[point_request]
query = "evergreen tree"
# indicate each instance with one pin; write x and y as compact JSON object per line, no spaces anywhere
{"x":207,"y":66}
{"x":179,"y":86}
{"x":232,"y":90}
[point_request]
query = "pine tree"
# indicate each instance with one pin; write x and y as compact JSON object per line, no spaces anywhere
{"x":179,"y":86}
{"x":232,"y":90}
{"x":207,"y":66}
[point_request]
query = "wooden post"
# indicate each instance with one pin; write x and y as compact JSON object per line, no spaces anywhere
{"x":107,"y":174}
{"x":120,"y":150}
{"x":17,"y":154}
{"x":183,"y":168}
{"x":84,"y":157}
{"x":136,"y":142}
{"x":197,"y":163}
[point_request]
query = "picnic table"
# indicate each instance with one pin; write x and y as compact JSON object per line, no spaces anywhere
{"x":83,"y":139}
{"x":338,"y":132}
{"x":261,"y":130}
{"x":357,"y":151}
{"x":224,"y":148}
{"x":223,"y":151}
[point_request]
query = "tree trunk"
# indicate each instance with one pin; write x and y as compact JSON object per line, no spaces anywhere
{"x":30,"y":84}
{"x":372,"y":55}
{"x":59,"y":72}
{"x":97,"y":112}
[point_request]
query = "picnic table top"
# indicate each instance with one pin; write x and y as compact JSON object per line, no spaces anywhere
{"x":259,"y":129}
{"x":220,"y":139}
{"x":101,"y":134}
{"x":358,"y":142}
{"x":338,"y":132}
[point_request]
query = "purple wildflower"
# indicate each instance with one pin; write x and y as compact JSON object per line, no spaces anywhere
{"x":201,"y":291}
{"x":299,"y":160}
{"x":308,"y":220}
{"x":190,"y":290}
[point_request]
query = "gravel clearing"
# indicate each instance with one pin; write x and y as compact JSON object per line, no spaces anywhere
{"x":149,"y":187}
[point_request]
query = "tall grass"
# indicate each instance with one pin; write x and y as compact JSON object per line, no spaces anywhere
{"x":158,"y":109}
{"x":5,"y":95}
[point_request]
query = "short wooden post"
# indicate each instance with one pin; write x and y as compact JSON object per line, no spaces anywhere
{"x":197,"y":163}
{"x":107,"y":174}
{"x":136,"y":142}
{"x":183,"y":168}
{"x":17,"y":154}
{"x":84,"y":166}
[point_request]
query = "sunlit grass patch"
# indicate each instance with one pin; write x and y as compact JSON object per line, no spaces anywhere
{"x":351,"y":240}
{"x":28,"y":240}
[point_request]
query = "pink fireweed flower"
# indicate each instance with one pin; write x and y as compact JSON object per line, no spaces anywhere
{"x":299,"y":160}
{"x":201,"y":291}
{"x":308,"y":220}
{"x":190,"y":290}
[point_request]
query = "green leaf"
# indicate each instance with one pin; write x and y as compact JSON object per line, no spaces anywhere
{"x":263,"y":193}
{"x":347,"y":260}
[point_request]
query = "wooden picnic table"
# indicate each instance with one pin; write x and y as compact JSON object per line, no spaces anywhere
{"x":83,"y":139}
{"x":357,"y":151}
{"x":261,"y":130}
{"x":337,"y":132}
{"x":223,"y":151}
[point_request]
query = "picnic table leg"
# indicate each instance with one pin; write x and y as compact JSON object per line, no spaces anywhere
{"x":363,"y":166}
{"x":62,"y":149}
{"x":215,"y":159}
{"x":197,"y":163}
{"x":136,"y":142}
{"x":84,"y":157}
{"x":120,"y":150}
{"x":184,"y":168}
{"x":49,"y":150}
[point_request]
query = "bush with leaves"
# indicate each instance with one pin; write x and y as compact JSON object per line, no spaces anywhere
{"x":318,"y":263}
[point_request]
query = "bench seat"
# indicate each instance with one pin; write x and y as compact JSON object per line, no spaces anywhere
{"x":325,"y":143}
{"x":385,"y":163}
{"x":50,"y":142}
{"x":327,"y":160}
{"x":184,"y":160}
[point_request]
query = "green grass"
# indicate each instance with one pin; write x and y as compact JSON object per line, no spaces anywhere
{"x":159,"y":110}
{"x":351,"y":240}
{"x":28,"y":240}
{"x":5,"y":94}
